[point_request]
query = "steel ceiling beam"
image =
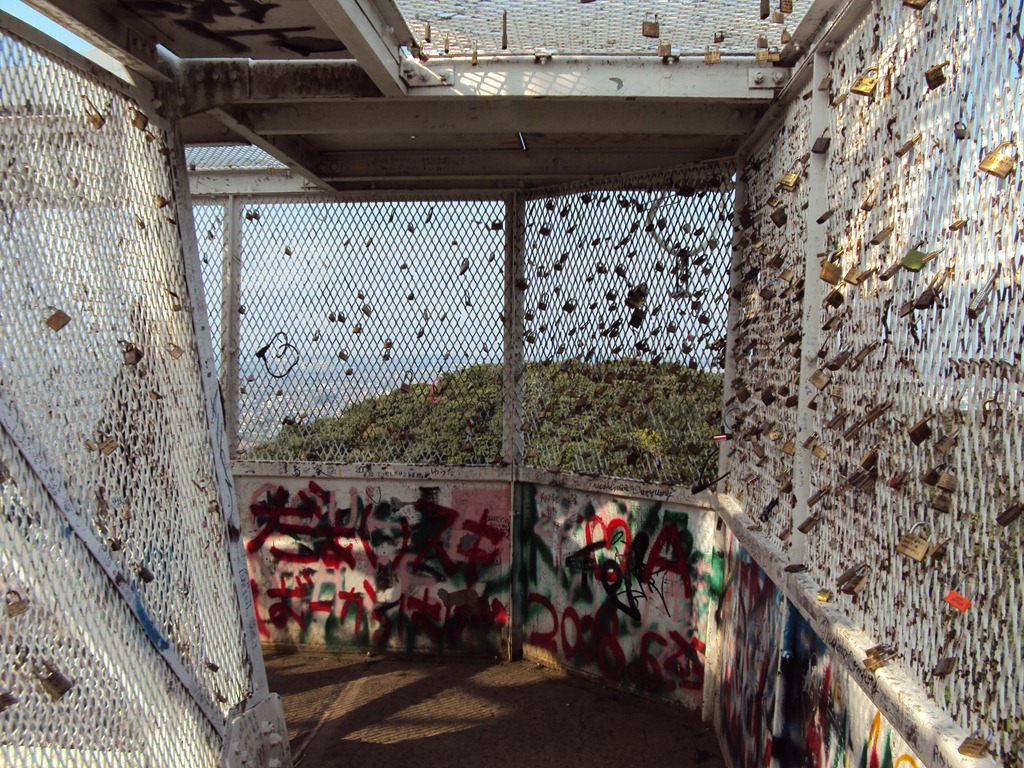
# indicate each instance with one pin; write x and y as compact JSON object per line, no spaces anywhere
{"x":373,"y":31}
{"x":501,"y":116}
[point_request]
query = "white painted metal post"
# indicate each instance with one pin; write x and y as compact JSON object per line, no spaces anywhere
{"x":513,"y":368}
{"x":810,"y":318}
{"x":230,"y":320}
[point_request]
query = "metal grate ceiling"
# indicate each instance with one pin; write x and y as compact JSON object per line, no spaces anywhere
{"x":594,"y":28}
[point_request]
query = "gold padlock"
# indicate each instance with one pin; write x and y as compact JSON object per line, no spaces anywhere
{"x":665,"y":49}
{"x":712,"y":56}
{"x":831,"y":273}
{"x":789,"y":180}
{"x":778,"y":17}
{"x":913,"y":546}
{"x":762,"y":41}
{"x":973,"y":746}
{"x":934,"y":76}
{"x":14,"y":604}
{"x":866,"y":83}
{"x":650,"y":28}
{"x":819,"y":379}
{"x":917,"y":5}
{"x":786,"y":6}
{"x":998,"y":162}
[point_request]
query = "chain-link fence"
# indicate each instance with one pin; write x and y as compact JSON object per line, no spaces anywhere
{"x":210,"y":238}
{"x":371,"y":331}
{"x":624,"y":303}
{"x":911,"y":423}
{"x":121,"y":637}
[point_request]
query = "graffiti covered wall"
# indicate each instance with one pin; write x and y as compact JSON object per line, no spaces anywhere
{"x":617,"y":588}
{"x":379,"y":565}
{"x":784,"y":701}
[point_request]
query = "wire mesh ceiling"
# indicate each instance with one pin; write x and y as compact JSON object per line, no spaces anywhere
{"x":596,"y":28}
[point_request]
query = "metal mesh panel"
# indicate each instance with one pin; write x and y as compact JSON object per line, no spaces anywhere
{"x":623,"y":300}
{"x":210,"y":239}
{"x":100,"y":383}
{"x":761,"y":411}
{"x":593,"y":28}
{"x":229,"y":157}
{"x":63,"y":616}
{"x":942,"y":302}
{"x":372,"y":331}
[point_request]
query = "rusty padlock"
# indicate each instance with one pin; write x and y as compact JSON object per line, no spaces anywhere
{"x":58,"y":320}
{"x":650,"y":28}
{"x":819,"y":379}
{"x":1010,"y":514}
{"x":779,"y":216}
{"x":14,"y":604}
{"x":934,"y":76}
{"x":920,"y":431}
{"x":999,"y":162}
{"x":6,"y":700}
{"x":852,"y":580}
{"x":913,"y":546}
{"x":942,"y":502}
{"x":973,"y":746}
{"x":132,"y":354}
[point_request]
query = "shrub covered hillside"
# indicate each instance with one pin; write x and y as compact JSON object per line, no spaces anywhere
{"x":625,"y":418}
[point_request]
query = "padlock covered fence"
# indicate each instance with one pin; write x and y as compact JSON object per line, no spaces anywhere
{"x":899,"y":269}
{"x":580,"y":330}
{"x":127,"y":636}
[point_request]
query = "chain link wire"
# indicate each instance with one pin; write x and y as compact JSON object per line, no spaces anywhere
{"x":610,"y":29}
{"x":100,"y":383}
{"x":371,"y":331}
{"x":938,"y":317}
{"x":624,"y":309}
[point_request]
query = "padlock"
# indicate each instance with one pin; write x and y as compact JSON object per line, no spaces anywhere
{"x":831,"y":273}
{"x":876,"y":657}
{"x":866,"y":83}
{"x":53,"y":682}
{"x":821,"y":145}
{"x":907,"y":308}
{"x":883,"y":235}
{"x":917,"y":5}
{"x":938,"y":549}
{"x":176,"y":351}
{"x":942,"y":502}
{"x":789,"y":180}
{"x":107,"y":446}
{"x":789,"y":448}
{"x":980,"y":299}
{"x":862,"y":355}
{"x":930,"y":476}
{"x":960,"y":131}
{"x":889,"y":272}
{"x":712,"y":56}
{"x":786,"y":6}
{"x":407,"y":382}
{"x":819,"y":379}
{"x":650,"y":28}
{"x":14,"y":604}
{"x":946,"y":482}
{"x":856,"y":276}
{"x":762,"y":41}
{"x":665,"y":49}
{"x":869,"y":200}
{"x":908,"y":145}
{"x":1010,"y":514}
{"x":58,"y":320}
{"x":6,"y":700}
{"x":920,"y":431}
{"x":913,"y":546}
{"x":808,"y":524}
{"x":934,"y":76}
{"x":824,"y":595}
{"x":778,"y":17}
{"x":852,"y":580}
{"x":818,"y":496}
{"x":779,"y":217}
{"x":946,"y":442}
{"x":132,"y":354}
{"x":998,"y":162}
{"x":973,"y":746}
{"x":835,"y":298}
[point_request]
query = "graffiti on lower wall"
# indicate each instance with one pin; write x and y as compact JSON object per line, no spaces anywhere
{"x":784,"y":701}
{"x":391,"y":566}
{"x":751,"y":626}
{"x":617,"y":588}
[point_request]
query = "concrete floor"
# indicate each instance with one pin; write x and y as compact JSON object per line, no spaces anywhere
{"x":346,"y":710}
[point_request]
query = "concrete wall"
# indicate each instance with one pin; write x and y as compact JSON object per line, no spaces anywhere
{"x":784,"y":701}
{"x":359,"y":562}
{"x":616,"y":587}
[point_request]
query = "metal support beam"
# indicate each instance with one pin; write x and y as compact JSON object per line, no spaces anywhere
{"x":230,"y":320}
{"x":294,"y":152}
{"x":689,"y":78}
{"x":512,"y":165}
{"x":124,"y":36}
{"x":514,"y":368}
{"x":489,"y":116}
{"x":206,"y":84}
{"x":373,"y":31}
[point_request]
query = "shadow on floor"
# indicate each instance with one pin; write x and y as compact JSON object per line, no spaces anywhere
{"x":345,"y":710}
